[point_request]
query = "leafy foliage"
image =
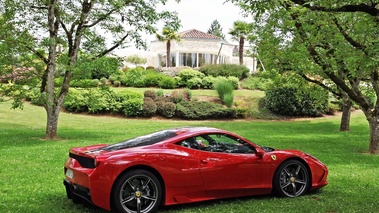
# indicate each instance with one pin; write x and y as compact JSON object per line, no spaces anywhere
{"x":292,"y":101}
{"x":216,"y":29}
{"x":136,"y":60}
{"x":196,"y":110}
{"x":226,"y":70}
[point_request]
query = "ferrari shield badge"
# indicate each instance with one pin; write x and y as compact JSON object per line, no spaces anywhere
{"x":273,"y":157}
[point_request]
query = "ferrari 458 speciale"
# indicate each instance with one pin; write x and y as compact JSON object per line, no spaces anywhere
{"x":185,"y":165}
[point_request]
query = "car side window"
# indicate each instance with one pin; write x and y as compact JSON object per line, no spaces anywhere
{"x":218,"y":143}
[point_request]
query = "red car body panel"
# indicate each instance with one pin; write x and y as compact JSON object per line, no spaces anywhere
{"x":188,"y":175}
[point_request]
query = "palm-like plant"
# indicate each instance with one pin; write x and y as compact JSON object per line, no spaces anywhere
{"x":168,"y":34}
{"x":240,"y":31}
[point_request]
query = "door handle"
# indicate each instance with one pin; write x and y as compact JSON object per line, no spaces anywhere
{"x":204,"y":161}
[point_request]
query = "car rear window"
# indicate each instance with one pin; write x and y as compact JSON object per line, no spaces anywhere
{"x":141,"y":140}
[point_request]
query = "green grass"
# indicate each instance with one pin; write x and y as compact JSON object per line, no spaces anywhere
{"x":31,"y":170}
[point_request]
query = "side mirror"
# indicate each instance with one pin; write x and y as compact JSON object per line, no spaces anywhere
{"x":259,"y":153}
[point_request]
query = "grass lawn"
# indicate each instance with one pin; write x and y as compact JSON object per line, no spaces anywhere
{"x":31,"y":173}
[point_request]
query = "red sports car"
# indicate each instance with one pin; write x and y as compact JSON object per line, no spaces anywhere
{"x":184,"y":165}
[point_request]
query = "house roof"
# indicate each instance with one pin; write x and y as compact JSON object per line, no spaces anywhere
{"x":197,"y":34}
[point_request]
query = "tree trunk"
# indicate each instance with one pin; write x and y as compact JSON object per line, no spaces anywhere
{"x":168,"y":51}
{"x":346,"y":112}
{"x":240,"y":52}
{"x":52,"y":122}
{"x":374,"y":135}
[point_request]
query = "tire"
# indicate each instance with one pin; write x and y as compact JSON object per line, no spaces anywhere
{"x":291,"y":179}
{"x":137,"y":191}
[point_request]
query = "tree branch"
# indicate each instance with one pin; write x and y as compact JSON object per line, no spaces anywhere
{"x":112,"y":48}
{"x":348,"y":38}
{"x":370,"y":9}
{"x":103,"y":17}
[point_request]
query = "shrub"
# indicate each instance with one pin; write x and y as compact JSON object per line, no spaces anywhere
{"x":167,"y":83}
{"x":116,"y":83}
{"x":150,"y":94}
{"x":207,"y":82}
{"x":160,"y":92}
{"x":196,"y":110}
{"x":292,"y":101}
{"x":228,"y":99}
{"x":223,"y":87}
{"x":132,"y":107}
{"x":194,"y":83}
{"x":99,"y":101}
{"x":226,"y":70}
{"x":103,"y":81}
{"x":187,"y":74}
{"x":76,"y":100}
{"x":168,"y":109}
{"x":256,"y":82}
{"x":149,"y":107}
{"x":179,"y":95}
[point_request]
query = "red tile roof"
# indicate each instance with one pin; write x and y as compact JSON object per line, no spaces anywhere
{"x":197,"y":34}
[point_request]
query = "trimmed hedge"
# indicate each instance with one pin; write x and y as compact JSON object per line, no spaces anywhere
{"x":297,"y":102}
{"x":196,"y":110}
{"x":226,"y":70}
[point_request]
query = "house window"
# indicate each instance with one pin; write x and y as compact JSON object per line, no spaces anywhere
{"x":188,"y":59}
{"x":163,"y":60}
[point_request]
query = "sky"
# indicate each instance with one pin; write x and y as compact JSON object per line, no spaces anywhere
{"x":199,"y":14}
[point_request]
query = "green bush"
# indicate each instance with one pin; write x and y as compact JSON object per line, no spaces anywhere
{"x":228,"y":99}
{"x":149,"y":107}
{"x":117,"y":83}
{"x":35,"y":97}
{"x":178,"y":95}
{"x":196,"y":110}
{"x":103,"y":81}
{"x":150,"y":94}
{"x":225,"y":70}
{"x":234,"y":81}
{"x":207,"y":82}
{"x":194,"y":83}
{"x":293,"y":101}
{"x":168,"y":109}
{"x":132,"y":107}
{"x":255,"y":82}
{"x":167,"y":83}
{"x":187,"y":74}
{"x":76,"y":100}
{"x":223,"y":87}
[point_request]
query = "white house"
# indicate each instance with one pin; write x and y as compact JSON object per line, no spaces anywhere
{"x":195,"y":49}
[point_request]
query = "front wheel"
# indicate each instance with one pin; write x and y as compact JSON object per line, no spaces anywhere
{"x":291,"y":179}
{"x":138,"y":191}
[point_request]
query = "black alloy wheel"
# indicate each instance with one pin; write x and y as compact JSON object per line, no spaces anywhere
{"x":138,"y":191}
{"x":291,"y":179}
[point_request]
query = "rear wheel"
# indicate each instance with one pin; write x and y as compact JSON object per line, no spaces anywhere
{"x":291,"y":179}
{"x":138,"y":191}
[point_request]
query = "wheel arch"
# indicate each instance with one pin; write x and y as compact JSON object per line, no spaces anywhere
{"x":302,"y":161}
{"x":141,"y":167}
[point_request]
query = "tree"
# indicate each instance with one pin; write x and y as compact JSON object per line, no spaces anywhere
{"x":239,"y":32}
{"x":335,"y":44}
{"x":169,"y":33}
{"x":216,"y":29}
{"x":136,"y":60}
{"x":44,"y":27}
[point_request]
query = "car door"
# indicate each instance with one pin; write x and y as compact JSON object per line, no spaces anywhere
{"x":233,"y":170}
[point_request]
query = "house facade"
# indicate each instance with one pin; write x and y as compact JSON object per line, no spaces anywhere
{"x":195,"y":49}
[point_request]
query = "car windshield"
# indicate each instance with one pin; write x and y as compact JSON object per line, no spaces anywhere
{"x":141,"y":141}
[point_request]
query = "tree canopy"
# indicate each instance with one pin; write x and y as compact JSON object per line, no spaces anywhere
{"x":332,"y":44}
{"x":216,"y":29}
{"x":65,"y":29}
